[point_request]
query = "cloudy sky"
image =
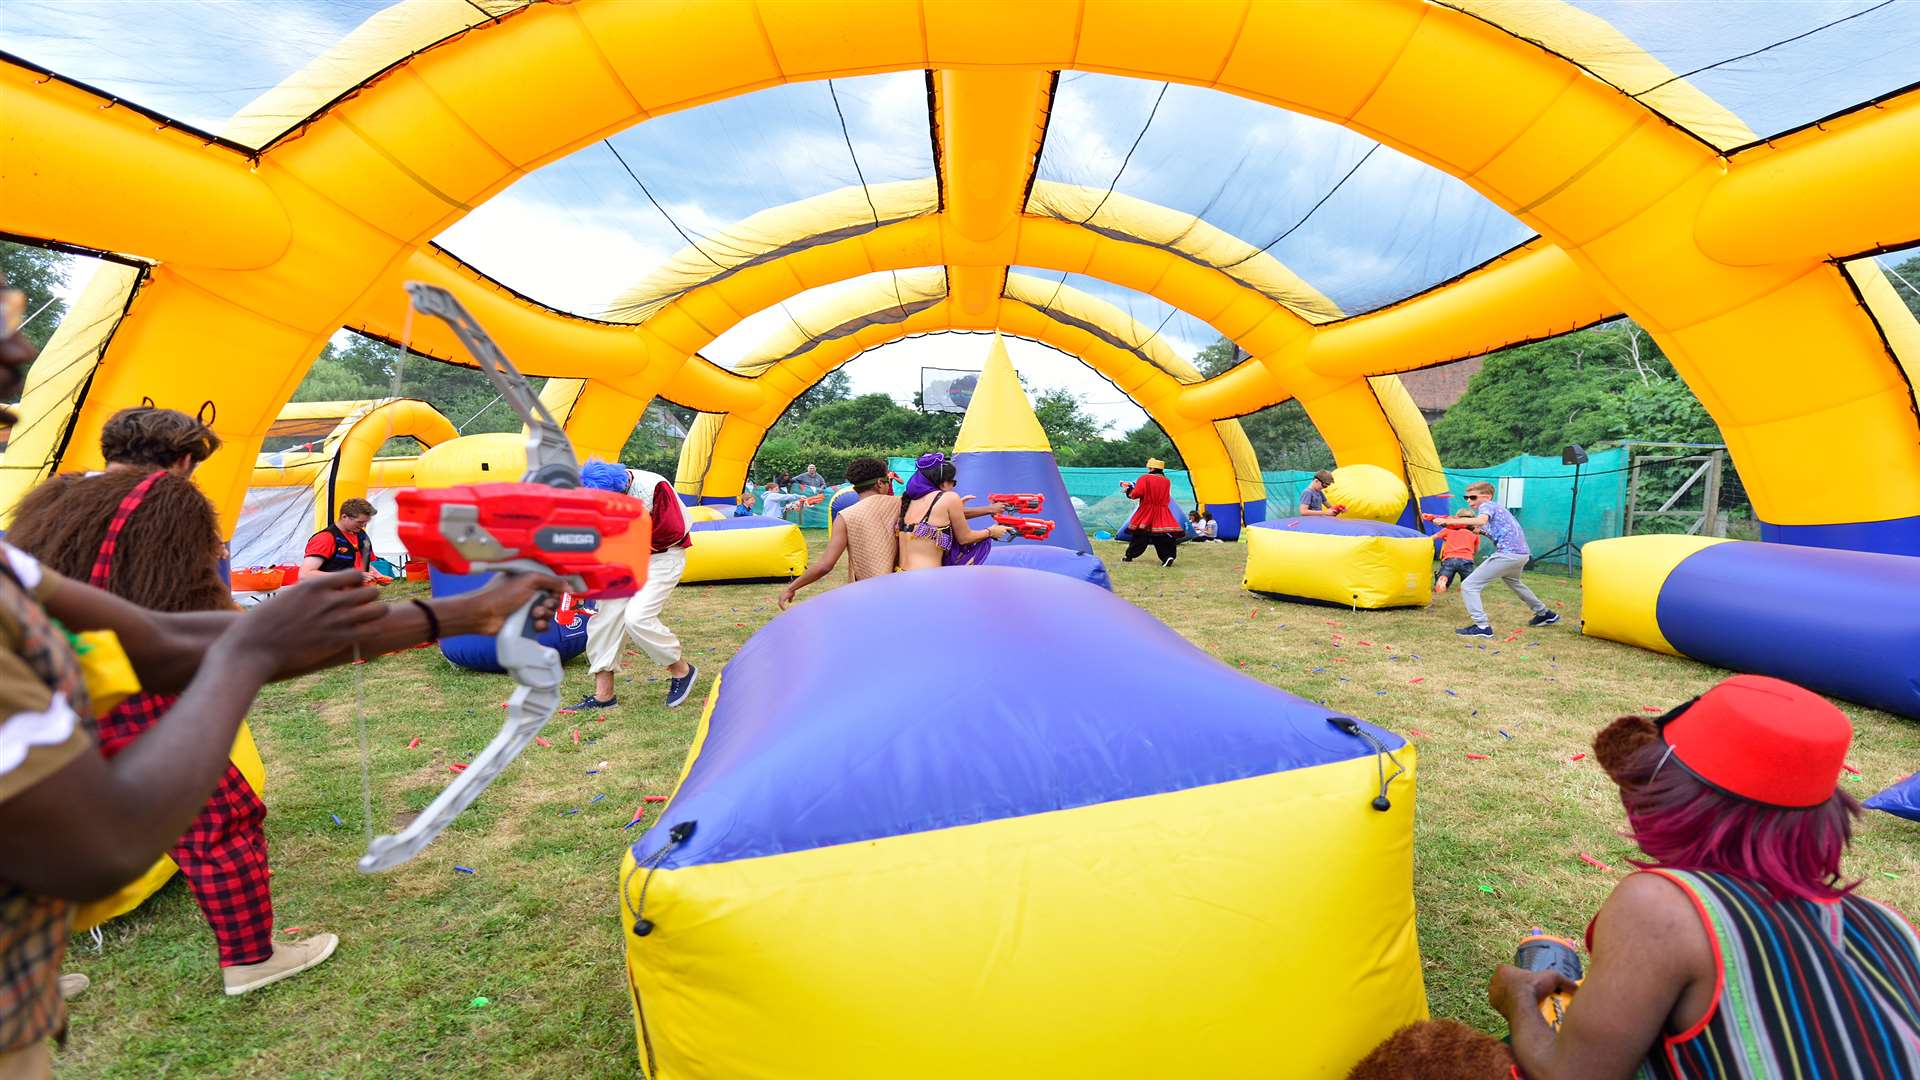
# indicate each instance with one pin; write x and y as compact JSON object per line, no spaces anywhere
{"x":1363,"y":223}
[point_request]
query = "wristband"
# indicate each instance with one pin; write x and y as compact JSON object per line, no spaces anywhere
{"x":433,"y":621}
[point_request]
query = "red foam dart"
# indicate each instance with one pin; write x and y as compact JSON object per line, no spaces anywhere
{"x":291,"y":929}
{"x":652,"y":798}
{"x":1651,"y":709}
{"x":1368,"y":644}
{"x":541,"y":739}
{"x":576,"y":736}
{"x":457,"y":767}
{"x":1595,"y":863}
{"x":1850,"y":768}
{"x":1578,"y":757}
{"x":414,"y":743}
{"x":1416,"y":733}
{"x":1417,"y":679}
{"x":1477,"y":757}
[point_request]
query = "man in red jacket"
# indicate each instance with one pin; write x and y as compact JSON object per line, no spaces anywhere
{"x":1154,"y":522}
{"x":638,"y":618}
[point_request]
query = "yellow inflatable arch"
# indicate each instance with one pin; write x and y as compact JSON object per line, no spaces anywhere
{"x":344,"y":467}
{"x":1740,"y":257}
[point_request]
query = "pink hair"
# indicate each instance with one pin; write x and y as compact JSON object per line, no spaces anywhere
{"x":1684,"y":824}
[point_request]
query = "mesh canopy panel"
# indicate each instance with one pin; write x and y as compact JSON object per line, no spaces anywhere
{"x":1776,"y":65}
{"x":691,"y":196}
{"x":1360,"y":223}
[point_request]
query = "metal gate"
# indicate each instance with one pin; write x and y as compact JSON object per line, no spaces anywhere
{"x":1675,"y":488}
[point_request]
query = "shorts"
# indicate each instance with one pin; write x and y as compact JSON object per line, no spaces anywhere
{"x":1455,"y":570}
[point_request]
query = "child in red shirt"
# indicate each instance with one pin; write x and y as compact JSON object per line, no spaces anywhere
{"x":1458,"y":543}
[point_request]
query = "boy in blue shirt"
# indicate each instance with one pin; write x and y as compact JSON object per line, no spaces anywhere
{"x":1509,"y":558}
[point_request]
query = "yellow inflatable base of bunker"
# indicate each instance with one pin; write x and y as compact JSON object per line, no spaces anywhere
{"x":777,"y":551}
{"x":1369,"y":571}
{"x":1044,"y":945}
{"x":246,"y":756}
{"x":1620,"y":580}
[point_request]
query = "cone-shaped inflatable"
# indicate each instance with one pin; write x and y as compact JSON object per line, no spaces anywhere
{"x":1002,"y":450}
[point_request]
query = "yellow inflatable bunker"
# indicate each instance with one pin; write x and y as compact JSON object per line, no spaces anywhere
{"x":1121,"y":857}
{"x":744,"y":549}
{"x":1351,"y":563}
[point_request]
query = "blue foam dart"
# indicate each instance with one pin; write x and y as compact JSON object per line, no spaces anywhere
{"x":1089,"y":734}
{"x":1900,"y":800}
{"x":1845,"y":623}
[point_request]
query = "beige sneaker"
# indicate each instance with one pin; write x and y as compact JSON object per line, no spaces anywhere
{"x":72,"y":986}
{"x":289,"y":959}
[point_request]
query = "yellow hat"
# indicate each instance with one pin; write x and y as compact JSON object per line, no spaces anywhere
{"x":1155,"y":463}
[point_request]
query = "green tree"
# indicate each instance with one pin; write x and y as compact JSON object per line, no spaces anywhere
{"x":1067,"y":423}
{"x":1905,"y":279}
{"x":834,"y":386}
{"x":40,"y":274}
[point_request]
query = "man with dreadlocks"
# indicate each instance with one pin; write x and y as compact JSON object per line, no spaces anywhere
{"x":142,"y":531}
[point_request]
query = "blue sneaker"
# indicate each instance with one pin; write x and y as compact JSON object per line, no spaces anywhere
{"x":591,"y":702}
{"x":1475,"y":631}
{"x":680,"y":689}
{"x":1545,"y":618}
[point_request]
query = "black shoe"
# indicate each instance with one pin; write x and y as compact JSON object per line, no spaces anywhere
{"x":1168,"y":561}
{"x":591,"y":702}
{"x":1475,"y":631}
{"x":1545,"y":618}
{"x":1126,"y":558}
{"x":680,"y":689}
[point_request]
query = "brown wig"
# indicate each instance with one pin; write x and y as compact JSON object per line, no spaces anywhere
{"x":155,"y":438}
{"x":1683,"y":823}
{"x":167,"y":558}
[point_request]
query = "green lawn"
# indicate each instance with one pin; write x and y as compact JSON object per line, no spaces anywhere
{"x":534,"y":929}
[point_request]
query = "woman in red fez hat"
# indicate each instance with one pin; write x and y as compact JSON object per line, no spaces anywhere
{"x":1737,"y":951}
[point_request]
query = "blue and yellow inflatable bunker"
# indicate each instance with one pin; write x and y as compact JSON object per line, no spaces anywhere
{"x":1056,"y":841}
{"x":475,"y":652}
{"x":1845,"y":623}
{"x":1900,"y":800}
{"x":737,"y":550}
{"x":1001,"y":448}
{"x":1350,"y":562}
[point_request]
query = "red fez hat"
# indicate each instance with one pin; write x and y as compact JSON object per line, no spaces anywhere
{"x":1761,"y":739}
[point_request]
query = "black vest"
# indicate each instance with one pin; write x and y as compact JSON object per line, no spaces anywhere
{"x":347,"y":555}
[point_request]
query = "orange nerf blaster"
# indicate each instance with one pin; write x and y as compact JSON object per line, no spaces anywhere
{"x":1025,"y":504}
{"x":1541,"y":951}
{"x":1027,"y":528}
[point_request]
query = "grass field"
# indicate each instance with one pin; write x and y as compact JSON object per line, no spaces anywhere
{"x":534,"y":930}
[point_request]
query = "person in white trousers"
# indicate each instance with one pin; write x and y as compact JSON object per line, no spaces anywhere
{"x":638,"y":617}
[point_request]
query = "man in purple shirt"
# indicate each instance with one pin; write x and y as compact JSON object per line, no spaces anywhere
{"x":1509,"y":558}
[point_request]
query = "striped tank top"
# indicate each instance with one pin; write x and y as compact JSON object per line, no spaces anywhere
{"x":1806,"y":989}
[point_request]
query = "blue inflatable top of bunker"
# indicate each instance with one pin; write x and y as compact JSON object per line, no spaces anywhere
{"x":1334,"y":526}
{"x":1900,"y":800}
{"x":735,"y":524}
{"x":1021,"y":693}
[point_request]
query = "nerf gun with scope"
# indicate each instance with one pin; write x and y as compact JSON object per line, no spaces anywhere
{"x":597,"y":542}
{"x":1541,"y":951}
{"x":1023,"y":504}
{"x":1027,"y":528}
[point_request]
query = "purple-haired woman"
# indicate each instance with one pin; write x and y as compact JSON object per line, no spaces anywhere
{"x":1737,"y":951}
{"x":934,"y":528}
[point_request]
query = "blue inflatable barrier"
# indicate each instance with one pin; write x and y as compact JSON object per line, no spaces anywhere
{"x":475,"y":651}
{"x":1900,"y":800}
{"x":1845,"y":623}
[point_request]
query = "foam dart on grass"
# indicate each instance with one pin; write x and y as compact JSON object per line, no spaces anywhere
{"x":1416,"y":733}
{"x":653,"y":799}
{"x":1850,"y":768}
{"x":576,"y":736}
{"x":1478,"y":757}
{"x":414,"y":743}
{"x":1578,"y":757}
{"x":1652,"y":709}
{"x":542,"y":741}
{"x":458,"y":767}
{"x":1418,"y":679}
{"x":1595,"y":863}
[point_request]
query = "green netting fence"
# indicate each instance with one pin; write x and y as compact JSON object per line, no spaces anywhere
{"x":1539,"y":491}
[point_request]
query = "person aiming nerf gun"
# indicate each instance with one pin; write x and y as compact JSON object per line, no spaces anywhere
{"x":1027,"y":528}
{"x":1541,"y":951}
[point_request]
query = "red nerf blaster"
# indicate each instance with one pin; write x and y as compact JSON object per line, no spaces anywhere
{"x":1024,"y":504}
{"x":1541,"y":951}
{"x":1027,"y":528}
{"x":598,"y":542}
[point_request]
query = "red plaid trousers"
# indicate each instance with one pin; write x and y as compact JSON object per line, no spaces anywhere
{"x":223,"y":854}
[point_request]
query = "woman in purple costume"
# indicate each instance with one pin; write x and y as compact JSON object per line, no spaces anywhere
{"x":934,"y":526}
